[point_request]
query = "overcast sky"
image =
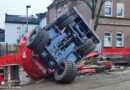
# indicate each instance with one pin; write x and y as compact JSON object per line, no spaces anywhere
{"x":18,"y":7}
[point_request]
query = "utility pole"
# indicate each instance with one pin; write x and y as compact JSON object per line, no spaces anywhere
{"x":27,"y":7}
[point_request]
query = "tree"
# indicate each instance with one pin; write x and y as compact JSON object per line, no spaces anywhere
{"x":93,"y":6}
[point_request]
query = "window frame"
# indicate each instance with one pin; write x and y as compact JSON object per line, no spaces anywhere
{"x":110,"y":7}
{"x":60,"y":8}
{"x":119,"y":37}
{"x":110,"y":39}
{"x":123,"y":9}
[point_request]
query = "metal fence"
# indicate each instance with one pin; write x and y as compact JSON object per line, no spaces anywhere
{"x":8,"y":49}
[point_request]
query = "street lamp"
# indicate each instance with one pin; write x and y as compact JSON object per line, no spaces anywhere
{"x":27,"y":7}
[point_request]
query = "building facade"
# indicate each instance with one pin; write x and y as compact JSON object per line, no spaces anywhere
{"x":114,"y":22}
{"x":42,"y":17}
{"x":16,"y":27}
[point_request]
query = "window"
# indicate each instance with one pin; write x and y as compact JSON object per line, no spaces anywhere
{"x":107,"y":39}
{"x":60,"y":8}
{"x":119,"y":39}
{"x":18,"y":30}
{"x":2,"y":37}
{"x":108,"y":8}
{"x":120,"y":10}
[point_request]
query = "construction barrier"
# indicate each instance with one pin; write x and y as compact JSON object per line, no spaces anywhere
{"x":115,"y":52}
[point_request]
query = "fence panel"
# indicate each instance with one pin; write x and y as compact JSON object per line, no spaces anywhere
{"x":8,"y":49}
{"x":116,"y":52}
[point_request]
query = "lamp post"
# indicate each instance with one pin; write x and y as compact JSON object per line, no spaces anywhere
{"x":27,"y":7}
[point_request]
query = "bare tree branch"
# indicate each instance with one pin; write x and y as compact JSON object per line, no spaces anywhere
{"x":98,"y":14}
{"x":88,"y":3}
{"x":94,"y":4}
{"x":93,"y":7}
{"x":93,"y":10}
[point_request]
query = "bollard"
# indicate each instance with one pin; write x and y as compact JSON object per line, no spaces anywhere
{"x":14,"y":75}
{"x":6,"y":48}
{"x":6,"y":73}
{"x":1,"y":72}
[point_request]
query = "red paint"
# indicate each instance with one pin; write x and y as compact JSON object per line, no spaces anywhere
{"x":62,"y":31}
{"x":75,"y":51}
{"x":91,"y":54}
{"x":106,"y":63}
{"x":10,"y":59}
{"x":1,"y":78}
{"x":82,"y":65}
{"x":116,"y":51}
{"x":27,"y":64}
{"x":86,"y":71}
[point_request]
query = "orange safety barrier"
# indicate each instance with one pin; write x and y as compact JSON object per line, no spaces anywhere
{"x":116,"y":52}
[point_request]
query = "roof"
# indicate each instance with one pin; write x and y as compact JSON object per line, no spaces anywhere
{"x":41,"y":16}
{"x":20,"y":19}
{"x":56,"y":2}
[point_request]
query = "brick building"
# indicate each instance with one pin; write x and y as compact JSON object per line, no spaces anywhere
{"x":114,"y":23}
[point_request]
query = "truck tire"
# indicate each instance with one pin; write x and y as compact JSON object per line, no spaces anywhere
{"x":89,"y":50}
{"x":73,"y":73}
{"x":35,"y":38}
{"x":40,"y":38}
{"x":62,"y":18}
{"x":67,"y":74}
{"x":84,"y":46}
{"x":44,"y":42}
{"x":67,"y":22}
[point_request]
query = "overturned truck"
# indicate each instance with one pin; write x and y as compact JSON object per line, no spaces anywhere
{"x":58,"y":48}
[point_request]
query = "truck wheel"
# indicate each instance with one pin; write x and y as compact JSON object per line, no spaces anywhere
{"x":35,"y":38}
{"x":38,"y":40}
{"x":62,"y":18}
{"x":85,"y":46}
{"x":67,"y":22}
{"x":68,"y":72}
{"x":44,"y":41}
{"x":89,"y":50}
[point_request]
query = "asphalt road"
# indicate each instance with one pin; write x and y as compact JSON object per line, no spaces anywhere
{"x":101,"y":81}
